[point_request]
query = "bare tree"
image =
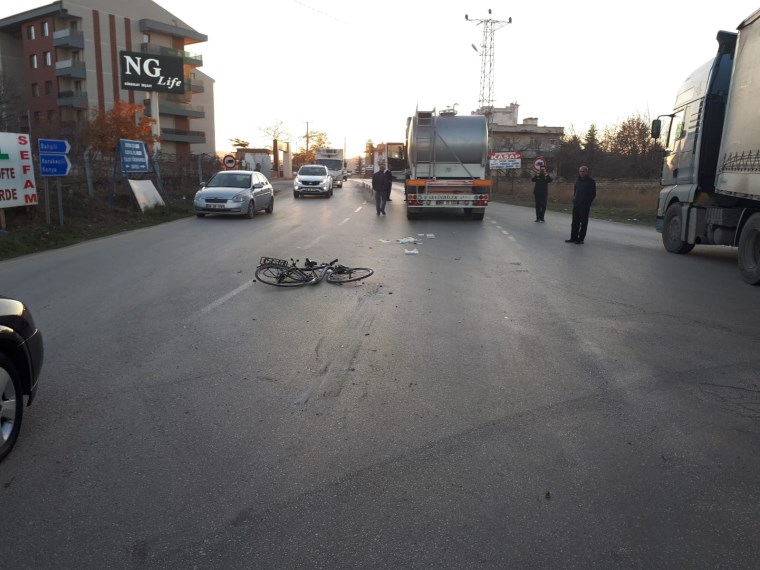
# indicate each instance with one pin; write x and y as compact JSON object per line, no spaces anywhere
{"x":276,"y":131}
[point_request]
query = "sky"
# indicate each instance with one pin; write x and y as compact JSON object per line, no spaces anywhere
{"x":357,"y":70}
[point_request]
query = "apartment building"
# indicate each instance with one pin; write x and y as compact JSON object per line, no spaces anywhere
{"x":64,"y":59}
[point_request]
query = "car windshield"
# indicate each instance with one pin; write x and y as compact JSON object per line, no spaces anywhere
{"x":312,"y":171}
{"x":331,"y":163}
{"x":230,"y":180}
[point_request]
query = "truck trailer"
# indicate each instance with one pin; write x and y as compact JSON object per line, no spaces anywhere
{"x":333,"y":159}
{"x":711,"y":169}
{"x":447,"y":164}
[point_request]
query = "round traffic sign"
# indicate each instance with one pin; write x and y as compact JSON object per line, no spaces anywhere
{"x":229,"y":161}
{"x":539,"y":162}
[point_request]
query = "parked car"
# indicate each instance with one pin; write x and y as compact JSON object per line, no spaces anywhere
{"x":236,"y":193}
{"x":313,"y":179}
{"x":21,"y":356}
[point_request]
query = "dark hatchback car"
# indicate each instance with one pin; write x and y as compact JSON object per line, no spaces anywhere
{"x":21,"y":356}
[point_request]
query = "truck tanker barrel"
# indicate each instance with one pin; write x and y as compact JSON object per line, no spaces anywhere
{"x":447,"y":141}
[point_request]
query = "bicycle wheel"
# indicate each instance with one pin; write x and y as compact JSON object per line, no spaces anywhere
{"x":280,"y":276}
{"x":343,"y":274}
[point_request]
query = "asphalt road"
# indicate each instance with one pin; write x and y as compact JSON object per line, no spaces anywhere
{"x":499,"y":399}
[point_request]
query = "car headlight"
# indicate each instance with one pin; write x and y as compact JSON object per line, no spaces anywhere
{"x":325,"y":183}
{"x":240,"y":197}
{"x":296,"y":183}
{"x":198,"y":196}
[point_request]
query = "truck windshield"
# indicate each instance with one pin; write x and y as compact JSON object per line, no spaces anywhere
{"x":331,"y":163}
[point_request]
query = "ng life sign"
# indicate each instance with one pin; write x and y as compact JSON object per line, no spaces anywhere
{"x":148,"y":72}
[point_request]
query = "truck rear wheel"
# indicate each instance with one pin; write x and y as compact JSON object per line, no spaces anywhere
{"x":671,"y":234}
{"x":749,"y":250}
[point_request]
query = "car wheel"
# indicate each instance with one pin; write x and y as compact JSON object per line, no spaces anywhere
{"x":11,"y":405}
{"x":201,"y":215}
{"x":296,"y":195}
{"x":251,"y":210}
{"x":270,"y":209}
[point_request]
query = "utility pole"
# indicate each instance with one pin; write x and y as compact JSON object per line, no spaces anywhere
{"x":307,"y":135}
{"x":486,"y":58}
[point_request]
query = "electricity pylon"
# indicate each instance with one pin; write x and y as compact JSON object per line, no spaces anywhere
{"x":486,"y":56}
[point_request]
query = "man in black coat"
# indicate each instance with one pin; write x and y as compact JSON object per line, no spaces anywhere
{"x":379,"y":186}
{"x":389,"y":183}
{"x":583,"y":196}
{"x":541,"y":192}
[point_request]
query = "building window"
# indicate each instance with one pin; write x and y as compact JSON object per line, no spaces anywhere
{"x":48,"y":87}
{"x":146,"y":38}
{"x":51,"y":116}
{"x":30,"y":33}
{"x":75,"y":55}
{"x":35,"y":89}
{"x":45,"y":29}
{"x":33,"y":61}
{"x":78,"y":86}
{"x":48,"y":59}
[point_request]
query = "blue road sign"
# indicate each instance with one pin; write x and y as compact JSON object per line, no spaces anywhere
{"x":134,"y":156}
{"x":53,"y":146}
{"x":54,"y":165}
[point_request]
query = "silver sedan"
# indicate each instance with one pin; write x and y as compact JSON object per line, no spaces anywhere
{"x":236,"y":193}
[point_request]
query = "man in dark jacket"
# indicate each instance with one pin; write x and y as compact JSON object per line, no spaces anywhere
{"x":389,"y":183}
{"x":541,"y":192}
{"x":379,"y":186}
{"x":583,"y":196}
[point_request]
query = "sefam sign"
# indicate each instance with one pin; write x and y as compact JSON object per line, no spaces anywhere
{"x":149,"y":72}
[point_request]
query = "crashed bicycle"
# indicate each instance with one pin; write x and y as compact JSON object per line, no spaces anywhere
{"x":283,"y":273}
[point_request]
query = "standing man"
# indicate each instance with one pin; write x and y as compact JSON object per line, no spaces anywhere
{"x":541,"y":192}
{"x":379,"y":185}
{"x":583,"y":196}
{"x":389,"y":183}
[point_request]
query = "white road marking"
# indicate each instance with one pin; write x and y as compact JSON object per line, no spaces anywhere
{"x":219,"y":301}
{"x":359,"y":209}
{"x":343,"y":222}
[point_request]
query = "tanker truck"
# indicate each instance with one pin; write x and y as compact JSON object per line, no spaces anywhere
{"x":447,"y":163}
{"x":711,"y":169}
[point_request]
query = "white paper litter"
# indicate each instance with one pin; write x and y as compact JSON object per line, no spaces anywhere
{"x":411,"y":251}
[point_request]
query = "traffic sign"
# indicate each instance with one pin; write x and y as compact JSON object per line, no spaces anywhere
{"x":54,"y":165}
{"x":229,"y":161}
{"x":538,"y":163}
{"x":53,"y":146}
{"x":133,"y":156}
{"x":53,"y":159}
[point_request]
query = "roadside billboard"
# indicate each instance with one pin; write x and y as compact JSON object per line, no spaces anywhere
{"x":17,"y":185}
{"x":148,"y":72}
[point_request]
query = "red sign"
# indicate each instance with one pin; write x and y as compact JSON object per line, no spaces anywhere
{"x":539,"y":162}
{"x":229,"y":161}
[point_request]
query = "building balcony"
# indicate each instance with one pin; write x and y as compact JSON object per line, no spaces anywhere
{"x":70,"y":68}
{"x":177,"y":109}
{"x":180,"y":135}
{"x":188,"y":58}
{"x":76,"y":99}
{"x":194,"y":85}
{"x":72,"y":39}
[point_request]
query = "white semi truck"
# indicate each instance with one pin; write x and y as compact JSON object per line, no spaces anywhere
{"x":447,"y":158}
{"x":711,"y":171}
{"x":332,"y":158}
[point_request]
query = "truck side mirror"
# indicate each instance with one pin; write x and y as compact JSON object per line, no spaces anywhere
{"x":656,"y":128}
